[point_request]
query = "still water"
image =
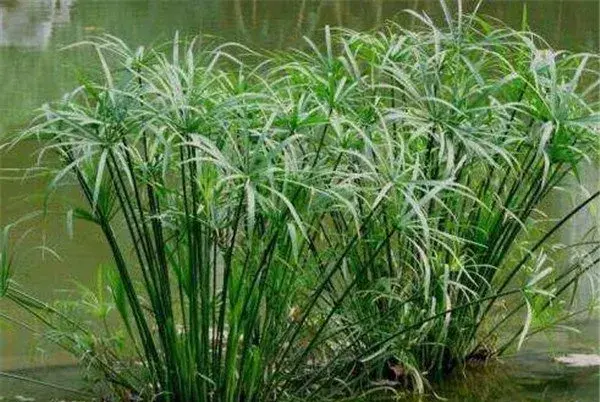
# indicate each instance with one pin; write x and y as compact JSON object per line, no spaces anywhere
{"x":33,"y":70}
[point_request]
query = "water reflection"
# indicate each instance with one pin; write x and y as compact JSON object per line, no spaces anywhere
{"x":280,"y":23}
{"x":29,"y":23}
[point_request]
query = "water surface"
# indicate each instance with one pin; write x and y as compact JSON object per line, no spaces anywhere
{"x":33,"y":71}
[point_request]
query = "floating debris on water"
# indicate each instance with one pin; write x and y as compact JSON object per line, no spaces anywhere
{"x":579,"y":360}
{"x":24,"y":398}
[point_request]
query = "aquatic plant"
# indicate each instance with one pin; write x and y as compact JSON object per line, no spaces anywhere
{"x":317,"y":223}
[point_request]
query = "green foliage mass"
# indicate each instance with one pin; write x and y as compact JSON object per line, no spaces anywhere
{"x":321,"y":223}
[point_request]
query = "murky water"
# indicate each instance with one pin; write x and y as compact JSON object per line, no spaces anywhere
{"x":33,"y":70}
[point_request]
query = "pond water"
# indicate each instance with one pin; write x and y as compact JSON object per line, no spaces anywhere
{"x":33,"y":70}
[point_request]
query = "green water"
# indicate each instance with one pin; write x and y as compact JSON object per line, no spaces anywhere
{"x":33,"y":70}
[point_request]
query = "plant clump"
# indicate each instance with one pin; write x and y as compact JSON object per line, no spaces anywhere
{"x":319,"y":223}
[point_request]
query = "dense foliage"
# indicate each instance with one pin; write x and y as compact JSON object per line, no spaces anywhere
{"x":317,"y":223}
